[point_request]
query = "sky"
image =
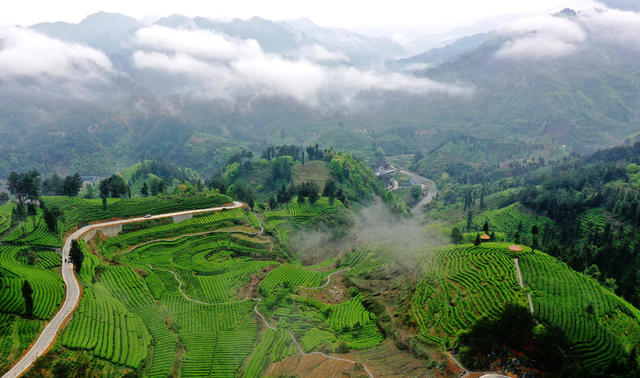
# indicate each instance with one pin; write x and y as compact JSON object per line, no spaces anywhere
{"x":401,"y":19}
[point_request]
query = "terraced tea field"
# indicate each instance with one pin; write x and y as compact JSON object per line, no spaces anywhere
{"x":562,"y":297}
{"x":465,"y":283}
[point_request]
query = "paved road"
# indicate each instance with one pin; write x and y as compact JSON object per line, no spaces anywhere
{"x":72,"y":297}
{"x":432,"y":190}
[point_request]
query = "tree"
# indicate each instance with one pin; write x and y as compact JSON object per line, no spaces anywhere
{"x":159,"y":186}
{"x":4,"y":198}
{"x":482,"y":198}
{"x":477,"y":241}
{"x":251,"y":203}
{"x":485,"y":227}
{"x":272,"y":203}
{"x":104,"y":203}
{"x":72,"y":185}
{"x":313,"y":194}
{"x":590,"y":310}
{"x":469,"y":220}
{"x":416,"y":192}
{"x":51,"y":218}
{"x":53,"y":185}
{"x":27,"y":293}
{"x":145,"y":190}
{"x":330,"y":189}
{"x":113,"y":186}
{"x":456,"y":235}
{"x":91,"y":191}
{"x":24,"y":185}
{"x":75,"y":255}
{"x":534,"y":241}
{"x":516,"y":237}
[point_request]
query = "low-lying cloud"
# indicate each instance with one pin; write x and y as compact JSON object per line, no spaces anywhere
{"x":220,"y":67}
{"x":26,"y":54}
{"x":542,"y":37}
{"x":554,"y":36}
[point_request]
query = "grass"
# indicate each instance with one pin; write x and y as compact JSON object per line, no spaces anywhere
{"x":315,"y":171}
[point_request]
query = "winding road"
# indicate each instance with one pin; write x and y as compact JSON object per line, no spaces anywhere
{"x":432,"y":190}
{"x":73,"y":291}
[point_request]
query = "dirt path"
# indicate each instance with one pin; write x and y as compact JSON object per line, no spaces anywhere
{"x":73,"y":290}
{"x":466,"y":372}
{"x":182,"y":292}
{"x":302,"y":352}
{"x":515,"y":261}
{"x":324,"y":284}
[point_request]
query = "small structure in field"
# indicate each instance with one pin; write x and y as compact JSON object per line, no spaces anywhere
{"x":515,"y":248}
{"x":485,"y":238}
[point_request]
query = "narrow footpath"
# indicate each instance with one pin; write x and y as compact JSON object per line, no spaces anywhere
{"x":72,"y":293}
{"x":515,"y":261}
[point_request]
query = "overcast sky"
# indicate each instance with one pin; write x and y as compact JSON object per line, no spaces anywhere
{"x":398,"y":18}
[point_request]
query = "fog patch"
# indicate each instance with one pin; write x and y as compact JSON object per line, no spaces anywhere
{"x":404,"y":241}
{"x":554,"y":36}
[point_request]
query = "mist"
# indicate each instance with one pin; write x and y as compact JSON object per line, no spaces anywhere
{"x":402,"y":240}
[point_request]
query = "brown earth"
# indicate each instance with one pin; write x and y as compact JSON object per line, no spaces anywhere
{"x":313,"y":365}
{"x":335,"y":292}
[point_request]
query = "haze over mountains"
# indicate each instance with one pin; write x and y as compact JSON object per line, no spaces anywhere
{"x":109,"y":87}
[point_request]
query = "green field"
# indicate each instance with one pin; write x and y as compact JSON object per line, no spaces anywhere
{"x":466,"y":283}
{"x":315,"y":171}
{"x":5,"y":217}
{"x":185,"y":299}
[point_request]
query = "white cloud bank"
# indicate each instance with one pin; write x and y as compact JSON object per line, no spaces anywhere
{"x":25,"y":53}
{"x":221,"y":67}
{"x":550,"y":36}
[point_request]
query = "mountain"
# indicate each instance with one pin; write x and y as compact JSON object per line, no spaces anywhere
{"x":439,"y":55}
{"x":360,"y":49}
{"x":105,"y":31}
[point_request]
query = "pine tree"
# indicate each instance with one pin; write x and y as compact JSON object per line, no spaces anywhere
{"x":75,"y":255}
{"x":485,"y":227}
{"x":456,"y":235}
{"x":516,"y":236}
{"x":469,"y":220}
{"x":145,"y":190}
{"x":27,"y":293}
{"x":272,"y":203}
{"x":477,"y":241}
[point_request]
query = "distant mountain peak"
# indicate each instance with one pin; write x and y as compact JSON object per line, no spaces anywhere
{"x":567,"y":12}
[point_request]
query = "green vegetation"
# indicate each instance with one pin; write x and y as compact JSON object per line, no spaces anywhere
{"x":462,"y":285}
{"x":603,"y":327}
{"x":5,"y":217}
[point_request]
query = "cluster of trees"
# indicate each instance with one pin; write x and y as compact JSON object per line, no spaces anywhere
{"x":113,"y":186}
{"x":298,"y":153}
{"x":25,"y":186}
{"x":273,"y":152}
{"x":57,"y":186}
{"x":28,"y":186}
{"x":163,"y":169}
{"x":564,"y":191}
